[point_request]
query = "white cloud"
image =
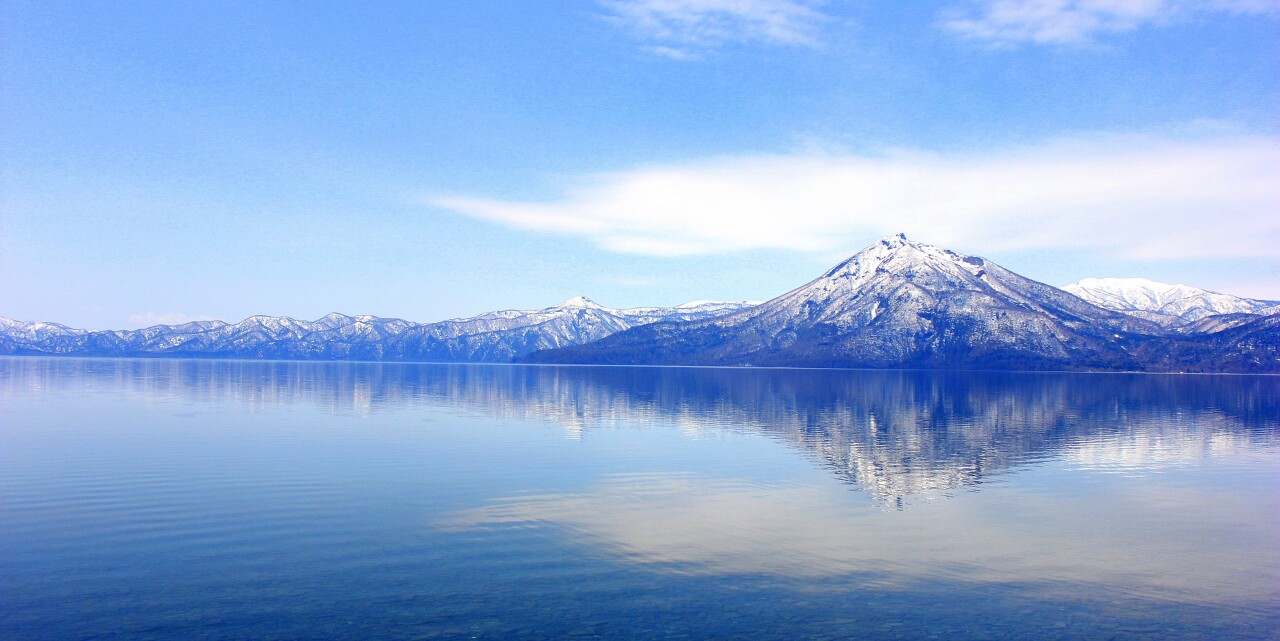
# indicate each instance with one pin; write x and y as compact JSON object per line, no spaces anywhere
{"x":682,"y":29}
{"x":149,"y":319}
{"x":1077,"y":21}
{"x":1146,"y":197}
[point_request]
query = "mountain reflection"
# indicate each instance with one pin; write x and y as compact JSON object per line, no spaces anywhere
{"x":893,"y":434}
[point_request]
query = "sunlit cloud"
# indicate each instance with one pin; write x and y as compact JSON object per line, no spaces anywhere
{"x":1127,"y":196}
{"x":1079,"y":21}
{"x":684,"y":29}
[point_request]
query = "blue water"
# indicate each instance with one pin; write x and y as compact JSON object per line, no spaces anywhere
{"x":149,"y":499}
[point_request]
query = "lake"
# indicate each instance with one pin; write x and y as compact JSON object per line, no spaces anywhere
{"x":170,"y":499}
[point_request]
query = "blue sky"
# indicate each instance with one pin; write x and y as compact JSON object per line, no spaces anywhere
{"x":166,"y":161}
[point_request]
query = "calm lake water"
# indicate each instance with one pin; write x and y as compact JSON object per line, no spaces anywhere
{"x":146,"y":499}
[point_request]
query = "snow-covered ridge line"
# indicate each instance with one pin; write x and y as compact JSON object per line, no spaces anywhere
{"x":900,"y":303}
{"x":896,"y":303}
{"x":697,"y":307}
{"x":1168,"y":305}
{"x":490,"y":337}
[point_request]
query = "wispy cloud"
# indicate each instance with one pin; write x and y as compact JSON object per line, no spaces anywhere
{"x":1079,"y":21}
{"x":149,"y":319}
{"x":685,"y":29}
{"x":1153,"y":197}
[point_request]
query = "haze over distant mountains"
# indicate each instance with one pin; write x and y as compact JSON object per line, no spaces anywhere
{"x":897,"y":303}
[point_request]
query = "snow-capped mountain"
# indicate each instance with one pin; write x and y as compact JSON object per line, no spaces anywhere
{"x":896,"y":303}
{"x":900,"y":303}
{"x":491,"y":337}
{"x":498,"y":337}
{"x":34,"y":332}
{"x":1168,"y":305}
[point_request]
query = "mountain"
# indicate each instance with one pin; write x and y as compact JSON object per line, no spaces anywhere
{"x":1251,"y":346}
{"x":499,"y":337}
{"x":895,"y":304}
{"x":1168,"y":305}
{"x":34,"y":332}
{"x":491,"y":337}
{"x":900,"y":303}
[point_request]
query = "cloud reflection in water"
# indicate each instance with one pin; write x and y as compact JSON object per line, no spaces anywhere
{"x":1051,"y":542}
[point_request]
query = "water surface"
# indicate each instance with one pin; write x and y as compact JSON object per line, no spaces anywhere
{"x":156,"y":499}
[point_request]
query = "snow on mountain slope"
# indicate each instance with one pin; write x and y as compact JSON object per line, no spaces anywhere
{"x":1168,"y":305}
{"x":895,"y":303}
{"x":501,"y":336}
{"x":492,"y":337}
{"x":35,"y":331}
{"x":694,"y":310}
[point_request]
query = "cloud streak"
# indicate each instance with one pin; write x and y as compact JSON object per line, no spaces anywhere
{"x":1133,"y":197}
{"x":684,"y":29}
{"x":1079,"y":21}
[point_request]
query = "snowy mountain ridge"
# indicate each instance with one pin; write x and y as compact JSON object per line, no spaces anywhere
{"x":1168,"y":305}
{"x":896,"y":303}
{"x":900,"y":303}
{"x":490,"y":337}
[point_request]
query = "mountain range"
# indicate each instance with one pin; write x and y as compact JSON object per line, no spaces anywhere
{"x":495,"y":337}
{"x":900,"y":303}
{"x":1170,"y":306}
{"x":897,"y":303}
